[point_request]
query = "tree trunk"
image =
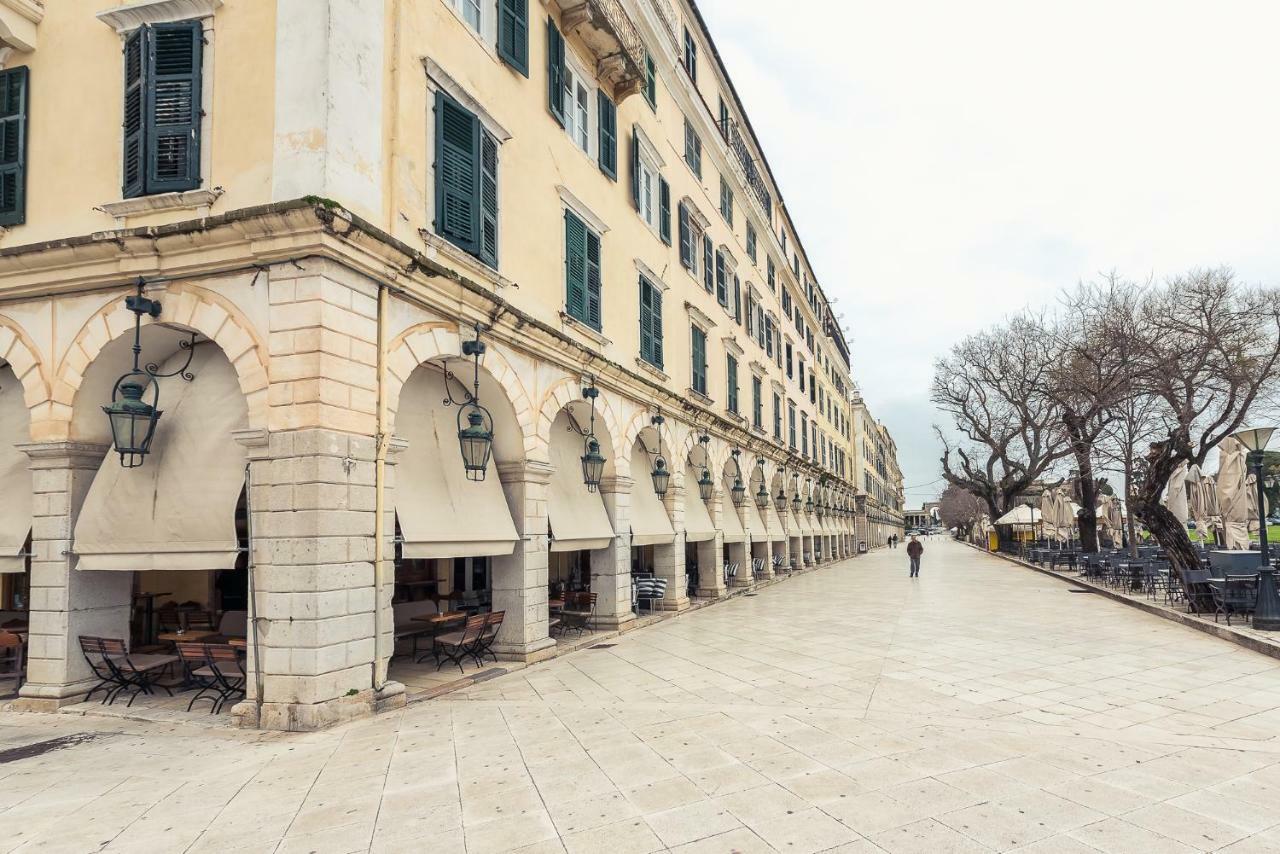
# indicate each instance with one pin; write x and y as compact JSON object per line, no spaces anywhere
{"x":1086,"y":487}
{"x":1130,"y":527}
{"x":1164,"y":526}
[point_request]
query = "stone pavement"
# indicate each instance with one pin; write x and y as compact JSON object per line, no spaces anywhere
{"x":980,"y":707}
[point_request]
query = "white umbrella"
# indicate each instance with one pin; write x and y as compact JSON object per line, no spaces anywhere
{"x":1020,"y":515}
{"x":1175,"y":494}
{"x":1049,"y":512}
{"x":1232,"y":491}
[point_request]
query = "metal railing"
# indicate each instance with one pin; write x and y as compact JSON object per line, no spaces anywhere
{"x":624,"y":29}
{"x":737,"y":143}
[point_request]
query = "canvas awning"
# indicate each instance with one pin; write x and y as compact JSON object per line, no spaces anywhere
{"x":177,"y":510}
{"x":650,"y":525}
{"x":773,"y":524}
{"x":15,"y":475}
{"x":1020,"y":515}
{"x":577,"y":515}
{"x":754,"y":520}
{"x":697,"y":521}
{"x":730,"y":524}
{"x":806,"y":524}
{"x":442,"y":514}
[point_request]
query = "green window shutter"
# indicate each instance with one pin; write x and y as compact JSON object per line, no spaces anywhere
{"x":692,"y":149}
{"x":722,"y":284}
{"x":664,"y":210}
{"x":731,"y":383}
{"x":656,"y":325}
{"x":593,"y":318}
{"x":646,"y":321}
{"x":772,"y":273}
{"x":513,"y":34}
{"x":575,"y":264}
{"x":457,"y":175}
{"x":650,"y":81}
{"x":608,"y":122}
{"x":687,"y":248}
{"x":135,"y":85}
{"x":635,"y":168}
{"x":699,"y":360}
{"x":737,"y":299}
{"x":488,"y":198}
{"x":751,"y":241}
{"x":708,"y":264}
{"x":14,"y":92}
{"x":555,"y":72}
{"x":173,"y":111}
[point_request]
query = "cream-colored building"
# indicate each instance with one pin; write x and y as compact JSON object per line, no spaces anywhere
{"x":880,"y":492}
{"x":323,"y":205}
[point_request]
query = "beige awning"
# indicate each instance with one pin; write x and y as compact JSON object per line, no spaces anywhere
{"x":443,"y":514}
{"x":806,"y":524}
{"x":754,"y":520}
{"x":697,"y":521}
{"x":177,"y":510}
{"x":15,"y":474}
{"x":650,"y":525}
{"x":576,"y":515}
{"x":729,"y":521}
{"x":772,"y":523}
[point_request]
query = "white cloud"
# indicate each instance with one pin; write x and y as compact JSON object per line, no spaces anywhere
{"x":949,"y":163}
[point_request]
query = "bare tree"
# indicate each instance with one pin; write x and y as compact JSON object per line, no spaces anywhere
{"x":1206,"y":350}
{"x":960,"y":509}
{"x":1133,"y":428}
{"x":1007,"y":433}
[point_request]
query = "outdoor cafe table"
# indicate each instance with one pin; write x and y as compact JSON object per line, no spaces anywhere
{"x":189,"y":636}
{"x":149,"y":615}
{"x":436,"y":623}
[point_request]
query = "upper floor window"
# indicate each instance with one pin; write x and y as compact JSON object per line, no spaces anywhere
{"x":582,"y":271}
{"x":162,"y":109}
{"x":13,"y":145}
{"x":751,"y":242}
{"x":690,"y":55}
{"x":650,"y":81}
{"x":757,"y":402}
{"x":690,"y":226}
{"x":698,"y":360}
{"x":470,"y":12}
{"x":772,"y":275}
{"x":726,"y":201}
{"x":649,"y":190}
{"x":650,"y":323}
{"x":777,"y":416}
{"x":731,"y":383}
{"x":724,"y":118}
{"x":791,"y":425}
{"x":577,"y":107}
{"x":466,"y":175}
{"x":692,"y":148}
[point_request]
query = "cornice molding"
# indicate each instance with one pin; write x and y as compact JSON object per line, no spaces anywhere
{"x":130,"y":16}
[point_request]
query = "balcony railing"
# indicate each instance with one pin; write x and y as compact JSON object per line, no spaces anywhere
{"x":755,"y":181}
{"x":611,"y":36}
{"x":668,"y":18}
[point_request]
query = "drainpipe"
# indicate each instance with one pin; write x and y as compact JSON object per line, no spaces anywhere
{"x":379,"y":504}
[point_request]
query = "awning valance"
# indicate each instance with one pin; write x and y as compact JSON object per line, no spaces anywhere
{"x":443,"y":514}
{"x":772,"y":522}
{"x":754,"y":520}
{"x":730,"y":524}
{"x":177,"y":510}
{"x":577,"y":515}
{"x":15,"y":474}
{"x":650,"y":524}
{"x":697,"y":521}
{"x":805,"y":523}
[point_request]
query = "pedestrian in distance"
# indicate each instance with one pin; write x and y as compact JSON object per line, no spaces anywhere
{"x":914,"y":549}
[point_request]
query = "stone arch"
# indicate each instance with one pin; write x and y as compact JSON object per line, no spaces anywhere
{"x":432,"y":340}
{"x":189,"y":307}
{"x":21,"y":354}
{"x":562,"y":393}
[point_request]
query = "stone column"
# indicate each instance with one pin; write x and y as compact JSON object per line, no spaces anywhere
{"x":520,"y":579}
{"x":611,"y":566}
{"x":669,"y":561}
{"x":65,"y":603}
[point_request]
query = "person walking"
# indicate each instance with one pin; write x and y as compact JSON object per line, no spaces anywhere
{"x":914,"y":549}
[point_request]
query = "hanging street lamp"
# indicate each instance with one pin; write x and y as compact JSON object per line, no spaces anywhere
{"x":592,"y":460}
{"x":762,"y":494}
{"x":1266,"y":613}
{"x":738,"y":492}
{"x":780,"y":500}
{"x":475,"y":439}
{"x":706,"y":486}
{"x":661,"y":476}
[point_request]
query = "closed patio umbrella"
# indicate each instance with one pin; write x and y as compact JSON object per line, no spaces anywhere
{"x":1175,"y":494}
{"x":1233,"y":499}
{"x":1049,"y":512}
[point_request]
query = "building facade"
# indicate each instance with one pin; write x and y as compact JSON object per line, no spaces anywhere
{"x":880,"y":494}
{"x":342,"y":233}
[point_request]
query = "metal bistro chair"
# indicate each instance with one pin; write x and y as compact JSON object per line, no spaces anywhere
{"x":484,"y":644}
{"x":579,"y":611}
{"x":757,"y":567}
{"x":1196,"y":591}
{"x":118,"y":670}
{"x":1238,"y":594}
{"x":456,"y":646}
{"x":13,"y":659}
{"x":730,"y":572}
{"x":215,"y":669}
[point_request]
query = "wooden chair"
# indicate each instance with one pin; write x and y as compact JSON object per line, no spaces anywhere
{"x":484,"y":644}
{"x":13,"y":659}
{"x":456,"y":646}
{"x":579,"y":611}
{"x":119,"y":670}
{"x":213,"y":668}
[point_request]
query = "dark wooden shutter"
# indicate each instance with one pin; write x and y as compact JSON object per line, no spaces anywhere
{"x":555,"y":72}
{"x":708,"y":264}
{"x":457,"y":202}
{"x":593,"y":280}
{"x":699,"y":361}
{"x":575,"y":262}
{"x":488,"y":198}
{"x":656,"y":324}
{"x":650,"y":81}
{"x":173,"y":106}
{"x":664,"y":210}
{"x":686,"y":236}
{"x":722,"y":284}
{"x":646,"y":322}
{"x":737,"y":299}
{"x":513,"y":34}
{"x":14,"y":93}
{"x":608,"y":124}
{"x":635,"y":167}
{"x":135,"y":85}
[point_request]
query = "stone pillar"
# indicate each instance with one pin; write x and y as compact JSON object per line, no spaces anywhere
{"x":520,"y":579}
{"x":711,"y":569}
{"x":65,"y":603}
{"x":611,"y":566}
{"x":669,"y":561}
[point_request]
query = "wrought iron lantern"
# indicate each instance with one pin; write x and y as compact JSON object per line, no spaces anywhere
{"x":592,"y":460}
{"x":780,"y":500}
{"x":661,"y":476}
{"x":796,"y":501}
{"x":475,"y":438}
{"x":737,"y":492}
{"x":706,"y":486}
{"x":132,"y":418}
{"x":762,"y":494}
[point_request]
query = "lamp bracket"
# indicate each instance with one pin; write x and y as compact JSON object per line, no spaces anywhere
{"x":188,"y":344}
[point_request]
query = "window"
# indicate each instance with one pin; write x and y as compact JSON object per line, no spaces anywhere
{"x":731,"y":383}
{"x":162,"y":110}
{"x":737,"y":300}
{"x":786,"y":299}
{"x":757,"y":402}
{"x":791,"y":424}
{"x":768,"y":335}
{"x":13,"y":145}
{"x":800,"y":370}
{"x":777,"y":416}
{"x":790,"y":371}
{"x":470,"y":12}
{"x":722,"y":281}
{"x":708,"y":264}
{"x":466,"y":177}
{"x":795,"y":264}
{"x":772,"y":275}
{"x":582,"y":271}
{"x":692,"y":148}
{"x":556,"y":74}
{"x":726,"y":201}
{"x":577,"y":111}
{"x":804,"y":434}
{"x":751,"y":314}
{"x":513,"y":34}
{"x":650,"y":323}
{"x":751,"y":242}
{"x":690,"y":55}
{"x":607,"y":119}
{"x":650,"y":81}
{"x":724,"y":118}
{"x":691,"y":233}
{"x":698,"y":366}
{"x":813,"y":389}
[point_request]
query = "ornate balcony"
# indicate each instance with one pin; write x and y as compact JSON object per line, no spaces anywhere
{"x":737,"y":143}
{"x":611,"y":36}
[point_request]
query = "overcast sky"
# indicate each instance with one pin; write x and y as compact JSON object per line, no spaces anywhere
{"x":949,"y":163}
